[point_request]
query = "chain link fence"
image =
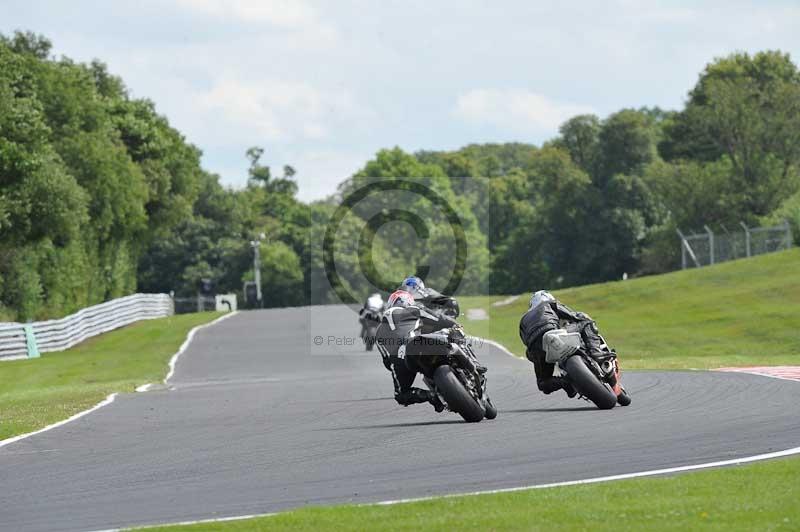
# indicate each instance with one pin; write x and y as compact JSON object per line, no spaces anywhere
{"x":702,"y":249}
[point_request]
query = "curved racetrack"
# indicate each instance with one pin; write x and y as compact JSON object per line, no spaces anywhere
{"x":259,"y":419}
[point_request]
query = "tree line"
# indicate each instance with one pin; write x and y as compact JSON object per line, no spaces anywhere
{"x":101,"y":197}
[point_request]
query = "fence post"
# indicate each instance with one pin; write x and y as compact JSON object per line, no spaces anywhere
{"x":686,"y":248}
{"x":683,"y":249}
{"x":746,"y":237}
{"x":710,"y":243}
{"x":732,"y":242}
{"x":788,"y":234}
{"x":30,"y":340}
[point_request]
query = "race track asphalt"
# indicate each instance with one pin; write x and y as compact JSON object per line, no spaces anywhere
{"x":257,"y":419}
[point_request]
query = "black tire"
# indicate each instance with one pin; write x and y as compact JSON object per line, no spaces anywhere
{"x":588,"y":385}
{"x":456,"y":396}
{"x":369,"y":337}
{"x":624,"y":399}
{"x":491,"y":410}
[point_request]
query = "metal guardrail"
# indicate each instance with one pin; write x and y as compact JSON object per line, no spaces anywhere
{"x":21,"y":340}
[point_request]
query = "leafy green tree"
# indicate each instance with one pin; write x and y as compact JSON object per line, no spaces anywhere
{"x":88,"y":176}
{"x":580,"y":137}
{"x":746,"y":109}
{"x":626,"y":144}
{"x":436,"y":247}
{"x":42,"y":207}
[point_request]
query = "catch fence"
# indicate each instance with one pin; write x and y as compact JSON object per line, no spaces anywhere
{"x":703,"y":249}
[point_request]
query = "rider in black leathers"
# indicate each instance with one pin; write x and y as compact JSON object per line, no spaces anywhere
{"x":546,"y":313}
{"x":399,"y":342}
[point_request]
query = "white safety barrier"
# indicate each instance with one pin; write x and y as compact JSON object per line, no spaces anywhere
{"x":21,"y":340}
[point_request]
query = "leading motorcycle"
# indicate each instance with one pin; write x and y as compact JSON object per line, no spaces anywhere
{"x":595,"y":377}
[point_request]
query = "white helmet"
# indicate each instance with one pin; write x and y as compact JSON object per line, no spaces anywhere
{"x":539,"y":297}
{"x":374,"y":302}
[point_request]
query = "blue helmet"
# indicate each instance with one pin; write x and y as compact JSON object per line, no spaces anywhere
{"x":414,"y":286}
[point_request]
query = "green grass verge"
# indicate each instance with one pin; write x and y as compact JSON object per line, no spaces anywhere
{"x":744,"y":312}
{"x":751,"y":497}
{"x":37,"y":392}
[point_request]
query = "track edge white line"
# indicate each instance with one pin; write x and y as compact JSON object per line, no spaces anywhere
{"x":185,"y":345}
{"x":595,"y":480}
{"x":497,"y":345}
{"x":107,"y":401}
{"x":110,"y":398}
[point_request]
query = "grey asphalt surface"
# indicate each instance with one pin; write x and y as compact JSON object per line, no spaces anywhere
{"x":260,"y":419}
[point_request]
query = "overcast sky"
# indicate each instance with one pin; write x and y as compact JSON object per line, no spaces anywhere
{"x":323,"y":85}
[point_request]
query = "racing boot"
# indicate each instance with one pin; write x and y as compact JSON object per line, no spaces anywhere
{"x":570,"y":389}
{"x":553,"y":384}
{"x":437,"y":403}
{"x":418,"y":395}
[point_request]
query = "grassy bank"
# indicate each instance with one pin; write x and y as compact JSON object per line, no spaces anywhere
{"x":752,"y":497}
{"x":744,"y":312}
{"x":37,"y":392}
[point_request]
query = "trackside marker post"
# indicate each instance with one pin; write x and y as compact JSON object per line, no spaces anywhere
{"x":30,"y":339}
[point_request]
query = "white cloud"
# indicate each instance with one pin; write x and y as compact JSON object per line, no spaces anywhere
{"x":277,"y":110}
{"x":284,"y":13}
{"x":303,"y":28}
{"x":515,"y":109}
{"x":320,"y":171}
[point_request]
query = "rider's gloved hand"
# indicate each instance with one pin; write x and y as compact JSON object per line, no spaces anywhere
{"x":456,"y":334}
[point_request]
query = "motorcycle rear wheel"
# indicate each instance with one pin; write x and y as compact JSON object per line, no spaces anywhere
{"x":588,"y":385}
{"x":456,"y":396}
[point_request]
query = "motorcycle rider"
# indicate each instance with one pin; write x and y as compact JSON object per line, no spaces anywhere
{"x":429,"y":297}
{"x":370,"y":313}
{"x":546,"y":313}
{"x":398,"y":340}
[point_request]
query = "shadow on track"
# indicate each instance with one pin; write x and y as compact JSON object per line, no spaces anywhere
{"x":361,"y":400}
{"x":546,"y":410}
{"x":402,"y":425}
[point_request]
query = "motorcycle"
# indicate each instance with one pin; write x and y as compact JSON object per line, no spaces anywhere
{"x":370,"y":318}
{"x":595,"y":377}
{"x":457,"y":377}
{"x":369,"y":325}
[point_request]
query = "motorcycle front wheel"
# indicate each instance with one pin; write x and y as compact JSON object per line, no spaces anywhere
{"x":588,"y":385}
{"x":369,"y":338}
{"x":624,"y":399}
{"x":456,"y":396}
{"x":491,"y":410}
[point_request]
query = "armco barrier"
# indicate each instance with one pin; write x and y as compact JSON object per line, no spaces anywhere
{"x":21,"y":340}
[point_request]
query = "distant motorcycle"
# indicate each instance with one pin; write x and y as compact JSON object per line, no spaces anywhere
{"x":457,"y":378}
{"x":596,"y":378}
{"x":370,"y":318}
